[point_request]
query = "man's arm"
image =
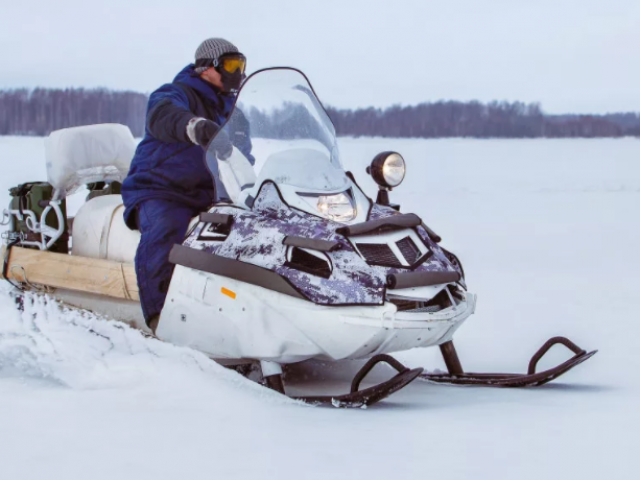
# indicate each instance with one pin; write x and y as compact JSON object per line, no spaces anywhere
{"x":169,"y":114}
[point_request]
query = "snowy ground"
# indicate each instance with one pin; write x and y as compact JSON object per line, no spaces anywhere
{"x":548,"y":233}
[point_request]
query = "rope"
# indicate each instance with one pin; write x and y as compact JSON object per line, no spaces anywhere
{"x":127,"y":295}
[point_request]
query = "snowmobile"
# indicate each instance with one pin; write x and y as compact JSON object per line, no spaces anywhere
{"x":293,"y":263}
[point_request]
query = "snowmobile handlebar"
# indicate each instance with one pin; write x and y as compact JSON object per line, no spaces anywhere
{"x":311,"y":243}
{"x":405,"y":220}
{"x":217,"y":218}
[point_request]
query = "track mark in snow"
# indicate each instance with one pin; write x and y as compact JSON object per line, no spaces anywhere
{"x":79,"y":350}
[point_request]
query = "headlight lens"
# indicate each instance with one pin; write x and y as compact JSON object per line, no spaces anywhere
{"x":387,"y":169}
{"x":393,"y":170}
{"x":339,"y":207}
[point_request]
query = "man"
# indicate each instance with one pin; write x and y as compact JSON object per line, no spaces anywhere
{"x":168,"y":183}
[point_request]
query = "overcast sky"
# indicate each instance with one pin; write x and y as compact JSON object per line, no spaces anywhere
{"x":570,"y":55}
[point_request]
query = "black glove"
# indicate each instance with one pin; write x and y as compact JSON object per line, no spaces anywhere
{"x":203,"y":131}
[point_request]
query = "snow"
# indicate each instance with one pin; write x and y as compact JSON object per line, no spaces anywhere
{"x":547,"y":231}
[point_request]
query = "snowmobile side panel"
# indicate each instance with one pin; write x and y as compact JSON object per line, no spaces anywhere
{"x":241,"y":271}
{"x":263,"y":324}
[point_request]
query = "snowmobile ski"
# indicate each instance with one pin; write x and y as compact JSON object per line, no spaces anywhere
{"x":457,"y":376}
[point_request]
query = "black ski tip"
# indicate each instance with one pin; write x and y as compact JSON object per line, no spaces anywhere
{"x":369,"y":396}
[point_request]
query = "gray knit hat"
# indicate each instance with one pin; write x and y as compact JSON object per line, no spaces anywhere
{"x":212,"y":49}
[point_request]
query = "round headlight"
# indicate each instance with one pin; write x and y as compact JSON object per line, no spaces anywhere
{"x":388,"y":169}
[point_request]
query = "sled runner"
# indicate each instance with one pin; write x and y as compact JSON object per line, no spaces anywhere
{"x":294,"y":263}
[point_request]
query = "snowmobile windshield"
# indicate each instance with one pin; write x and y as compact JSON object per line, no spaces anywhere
{"x":278,"y":131}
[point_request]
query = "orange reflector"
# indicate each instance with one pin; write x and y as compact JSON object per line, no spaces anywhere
{"x":228,"y":293}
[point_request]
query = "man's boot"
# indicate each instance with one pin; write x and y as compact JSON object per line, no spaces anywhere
{"x":153,"y":323}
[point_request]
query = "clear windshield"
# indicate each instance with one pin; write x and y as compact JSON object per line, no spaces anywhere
{"x":279,"y":130}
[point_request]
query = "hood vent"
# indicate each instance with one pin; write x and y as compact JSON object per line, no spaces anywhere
{"x":403,"y":253}
{"x":379,"y":254}
{"x":409,"y":250}
{"x":305,"y":261}
{"x":214,"y":232}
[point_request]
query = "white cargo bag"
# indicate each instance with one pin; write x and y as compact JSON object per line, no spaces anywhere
{"x":93,"y":153}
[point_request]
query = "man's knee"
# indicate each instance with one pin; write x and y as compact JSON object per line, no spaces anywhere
{"x":163,"y":221}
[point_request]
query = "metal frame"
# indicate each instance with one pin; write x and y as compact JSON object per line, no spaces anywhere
{"x":48,"y":235}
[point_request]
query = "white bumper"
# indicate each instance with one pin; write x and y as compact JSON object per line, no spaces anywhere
{"x":229,"y":319}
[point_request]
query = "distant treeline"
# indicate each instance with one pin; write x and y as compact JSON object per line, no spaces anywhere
{"x":40,"y":111}
{"x":479,"y":120}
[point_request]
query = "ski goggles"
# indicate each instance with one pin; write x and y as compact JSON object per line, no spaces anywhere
{"x":230,"y":63}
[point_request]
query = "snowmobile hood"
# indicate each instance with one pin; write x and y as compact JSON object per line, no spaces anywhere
{"x":338,"y":276}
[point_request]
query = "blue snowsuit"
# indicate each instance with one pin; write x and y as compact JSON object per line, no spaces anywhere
{"x":168,"y":182}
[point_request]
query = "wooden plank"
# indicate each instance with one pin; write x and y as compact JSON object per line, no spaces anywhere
{"x":81,"y":274}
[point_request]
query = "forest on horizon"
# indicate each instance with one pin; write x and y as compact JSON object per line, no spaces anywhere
{"x":40,"y":111}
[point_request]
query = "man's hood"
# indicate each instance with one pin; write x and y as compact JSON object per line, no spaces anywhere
{"x":189,"y":77}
